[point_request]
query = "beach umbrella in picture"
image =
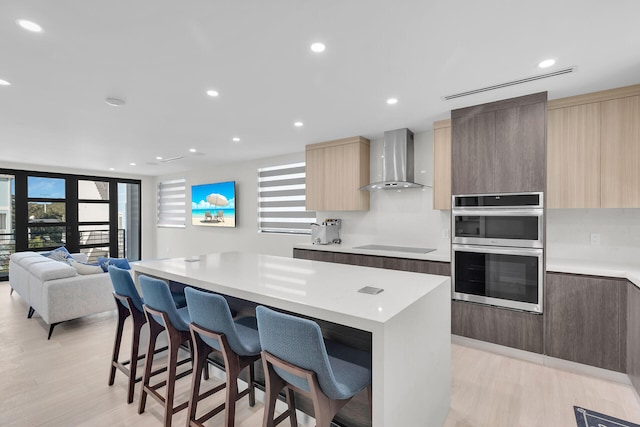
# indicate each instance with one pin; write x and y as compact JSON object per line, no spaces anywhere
{"x":217,"y":200}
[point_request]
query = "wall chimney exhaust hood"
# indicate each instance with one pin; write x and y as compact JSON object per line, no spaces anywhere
{"x":397,"y":162}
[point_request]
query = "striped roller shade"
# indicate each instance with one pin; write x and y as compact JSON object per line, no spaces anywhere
{"x":172,"y":203}
{"x":281,"y":200}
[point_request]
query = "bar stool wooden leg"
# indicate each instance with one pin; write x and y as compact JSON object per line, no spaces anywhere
{"x":154,"y":331}
{"x":123,"y":313}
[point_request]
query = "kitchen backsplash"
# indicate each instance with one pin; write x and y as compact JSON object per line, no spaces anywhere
{"x":594,"y":233}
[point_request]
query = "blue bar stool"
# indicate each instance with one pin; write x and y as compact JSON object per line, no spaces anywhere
{"x":213,"y":329}
{"x":162,"y":314}
{"x":295,"y":355}
{"x":130,"y":303}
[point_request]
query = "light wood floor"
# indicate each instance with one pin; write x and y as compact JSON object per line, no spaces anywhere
{"x":63,"y":382}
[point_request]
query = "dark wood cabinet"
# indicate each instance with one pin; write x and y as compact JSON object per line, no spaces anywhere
{"x":390,"y":263}
{"x":586,"y":320}
{"x":511,"y":328}
{"x":500,"y":147}
{"x":633,"y":335}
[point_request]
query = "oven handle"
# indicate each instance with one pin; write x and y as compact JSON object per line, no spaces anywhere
{"x":497,"y":212}
{"x":497,"y":250}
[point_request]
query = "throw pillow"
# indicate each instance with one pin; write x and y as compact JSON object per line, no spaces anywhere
{"x":105,"y":262}
{"x":84,"y":268}
{"x":60,"y":250}
{"x":60,"y":254}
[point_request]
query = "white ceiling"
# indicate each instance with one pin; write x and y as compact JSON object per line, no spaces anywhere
{"x":161,"y":56}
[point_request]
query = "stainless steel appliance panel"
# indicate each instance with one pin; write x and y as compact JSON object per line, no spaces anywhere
{"x":506,"y":277}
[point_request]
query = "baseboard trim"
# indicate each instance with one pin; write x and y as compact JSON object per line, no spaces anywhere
{"x":541,"y":359}
{"x":498,"y":349}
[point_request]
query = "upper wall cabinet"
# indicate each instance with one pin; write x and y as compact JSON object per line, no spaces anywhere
{"x":500,"y":147}
{"x":620,"y":151}
{"x":594,"y":150}
{"x":573,"y":162}
{"x":442,"y":165}
{"x":335,"y":172}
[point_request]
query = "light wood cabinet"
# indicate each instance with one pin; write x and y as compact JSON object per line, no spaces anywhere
{"x":593,"y":146}
{"x":573,"y":162}
{"x":620,"y":153}
{"x":335,"y":172}
{"x":442,"y":165}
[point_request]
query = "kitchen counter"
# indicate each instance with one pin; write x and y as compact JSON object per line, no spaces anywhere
{"x":629,"y":271}
{"x":407,"y":321}
{"x":605,"y":261}
{"x":439,"y":255}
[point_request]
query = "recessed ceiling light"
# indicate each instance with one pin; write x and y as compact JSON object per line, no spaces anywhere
{"x":115,"y":102}
{"x":112,"y":169}
{"x":29,"y":25}
{"x":298,"y":124}
{"x":318,"y":47}
{"x":547,"y":63}
{"x":132,"y":164}
{"x":236,"y":139}
{"x":4,"y":83}
{"x":158,"y":157}
{"x":192,"y":150}
{"x":392,"y":101}
{"x":212,"y":92}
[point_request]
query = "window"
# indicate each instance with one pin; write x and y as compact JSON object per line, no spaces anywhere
{"x":281,"y":200}
{"x":172,"y":203}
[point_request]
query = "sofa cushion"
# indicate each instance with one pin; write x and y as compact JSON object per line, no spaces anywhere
{"x":19,"y":256}
{"x":85,"y":268}
{"x":52,"y":270}
{"x":118,"y":262}
{"x":26,"y":262}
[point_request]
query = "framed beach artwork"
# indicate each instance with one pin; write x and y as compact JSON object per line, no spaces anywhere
{"x":214,"y":205}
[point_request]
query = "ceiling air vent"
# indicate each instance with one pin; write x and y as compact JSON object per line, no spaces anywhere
{"x":171,"y":159}
{"x":511,"y":83}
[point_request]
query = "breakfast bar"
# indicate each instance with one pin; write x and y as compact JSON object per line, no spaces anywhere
{"x":409,"y":320}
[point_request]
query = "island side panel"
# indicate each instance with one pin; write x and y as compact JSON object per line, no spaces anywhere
{"x":412,"y":379}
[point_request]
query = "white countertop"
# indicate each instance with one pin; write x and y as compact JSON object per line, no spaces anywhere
{"x":594,"y":260}
{"x":441,"y":255}
{"x":324,"y":290}
{"x":604,"y":268}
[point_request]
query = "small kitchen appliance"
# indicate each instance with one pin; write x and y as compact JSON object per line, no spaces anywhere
{"x":326,"y":233}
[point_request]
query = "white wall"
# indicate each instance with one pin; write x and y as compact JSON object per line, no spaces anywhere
{"x":400,"y":218}
{"x":196,"y":240}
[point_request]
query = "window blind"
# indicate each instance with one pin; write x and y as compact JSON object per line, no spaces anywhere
{"x":172,"y":203}
{"x":281,"y":200}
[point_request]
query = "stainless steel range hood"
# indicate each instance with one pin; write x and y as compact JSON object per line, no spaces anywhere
{"x":397,"y":164}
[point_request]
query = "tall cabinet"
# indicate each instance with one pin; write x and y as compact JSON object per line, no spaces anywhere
{"x":594,"y":150}
{"x":500,"y":147}
{"x":442,"y":165}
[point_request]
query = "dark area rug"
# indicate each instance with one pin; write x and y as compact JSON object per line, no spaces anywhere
{"x":587,"y":418}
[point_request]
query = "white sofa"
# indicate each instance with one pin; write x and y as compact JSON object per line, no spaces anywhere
{"x":56,"y":291}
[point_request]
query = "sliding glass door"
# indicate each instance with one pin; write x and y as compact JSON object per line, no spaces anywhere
{"x":97,"y":216}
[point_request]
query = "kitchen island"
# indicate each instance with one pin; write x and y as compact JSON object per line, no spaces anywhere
{"x":409,"y":321}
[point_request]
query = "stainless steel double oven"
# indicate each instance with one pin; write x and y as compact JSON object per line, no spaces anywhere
{"x":497,"y":248}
